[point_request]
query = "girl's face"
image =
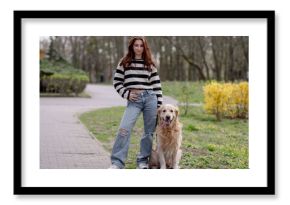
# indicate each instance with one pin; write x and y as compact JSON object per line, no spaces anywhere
{"x":138,"y":48}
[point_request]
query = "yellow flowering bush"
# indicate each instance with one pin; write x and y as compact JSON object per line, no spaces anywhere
{"x":243,"y":108}
{"x":226,"y":99}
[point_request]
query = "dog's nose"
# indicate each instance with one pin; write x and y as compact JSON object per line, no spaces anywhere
{"x":167,"y":117}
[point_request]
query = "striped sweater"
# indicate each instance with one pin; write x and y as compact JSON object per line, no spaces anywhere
{"x":136,"y":76}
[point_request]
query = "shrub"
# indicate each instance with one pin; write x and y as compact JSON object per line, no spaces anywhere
{"x":226,"y":99}
{"x":238,"y":102}
{"x":215,"y":98}
{"x":64,"y":83}
{"x":185,"y":94}
{"x":61,"y":77}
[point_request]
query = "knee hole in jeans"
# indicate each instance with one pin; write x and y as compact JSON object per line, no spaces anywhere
{"x":123,"y":132}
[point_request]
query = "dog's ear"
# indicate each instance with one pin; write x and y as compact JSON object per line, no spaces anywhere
{"x":159,"y":110}
{"x":158,"y":114}
{"x":176,"y":111}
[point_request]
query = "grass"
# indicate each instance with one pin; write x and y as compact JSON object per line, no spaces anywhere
{"x":181,"y":90}
{"x":207,"y":143}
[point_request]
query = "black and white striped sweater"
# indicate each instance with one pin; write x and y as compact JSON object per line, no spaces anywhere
{"x":136,"y":76}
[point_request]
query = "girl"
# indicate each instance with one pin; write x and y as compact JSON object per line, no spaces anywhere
{"x":136,"y":79}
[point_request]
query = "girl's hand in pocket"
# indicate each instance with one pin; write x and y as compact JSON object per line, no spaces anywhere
{"x":133,"y":96}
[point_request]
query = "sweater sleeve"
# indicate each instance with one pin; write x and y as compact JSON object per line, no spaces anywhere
{"x":118,"y":83}
{"x":156,"y":84}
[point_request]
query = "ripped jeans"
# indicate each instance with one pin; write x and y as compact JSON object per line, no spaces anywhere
{"x":146,"y":103}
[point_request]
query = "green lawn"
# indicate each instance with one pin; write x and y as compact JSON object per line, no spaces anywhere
{"x":207,"y":144}
{"x":182,"y":90}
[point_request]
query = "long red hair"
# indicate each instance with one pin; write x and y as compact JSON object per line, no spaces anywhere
{"x":146,"y":55}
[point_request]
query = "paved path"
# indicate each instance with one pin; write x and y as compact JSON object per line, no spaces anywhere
{"x":64,"y":142}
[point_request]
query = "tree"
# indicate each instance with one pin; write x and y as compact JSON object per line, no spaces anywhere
{"x":182,"y":58}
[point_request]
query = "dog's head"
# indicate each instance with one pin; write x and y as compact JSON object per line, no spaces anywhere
{"x":167,"y":115}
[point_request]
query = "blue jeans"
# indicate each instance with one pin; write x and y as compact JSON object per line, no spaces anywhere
{"x":146,"y":103}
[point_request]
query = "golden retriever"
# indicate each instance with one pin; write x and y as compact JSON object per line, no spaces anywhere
{"x":169,"y":137}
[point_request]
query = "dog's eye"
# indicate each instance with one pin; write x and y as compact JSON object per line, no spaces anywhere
{"x":171,"y":110}
{"x":164,"y":111}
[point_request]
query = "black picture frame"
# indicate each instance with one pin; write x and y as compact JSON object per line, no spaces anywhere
{"x":19,"y":189}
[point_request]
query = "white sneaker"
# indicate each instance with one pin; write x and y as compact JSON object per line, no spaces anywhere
{"x":113,"y":166}
{"x":142,"y":166}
